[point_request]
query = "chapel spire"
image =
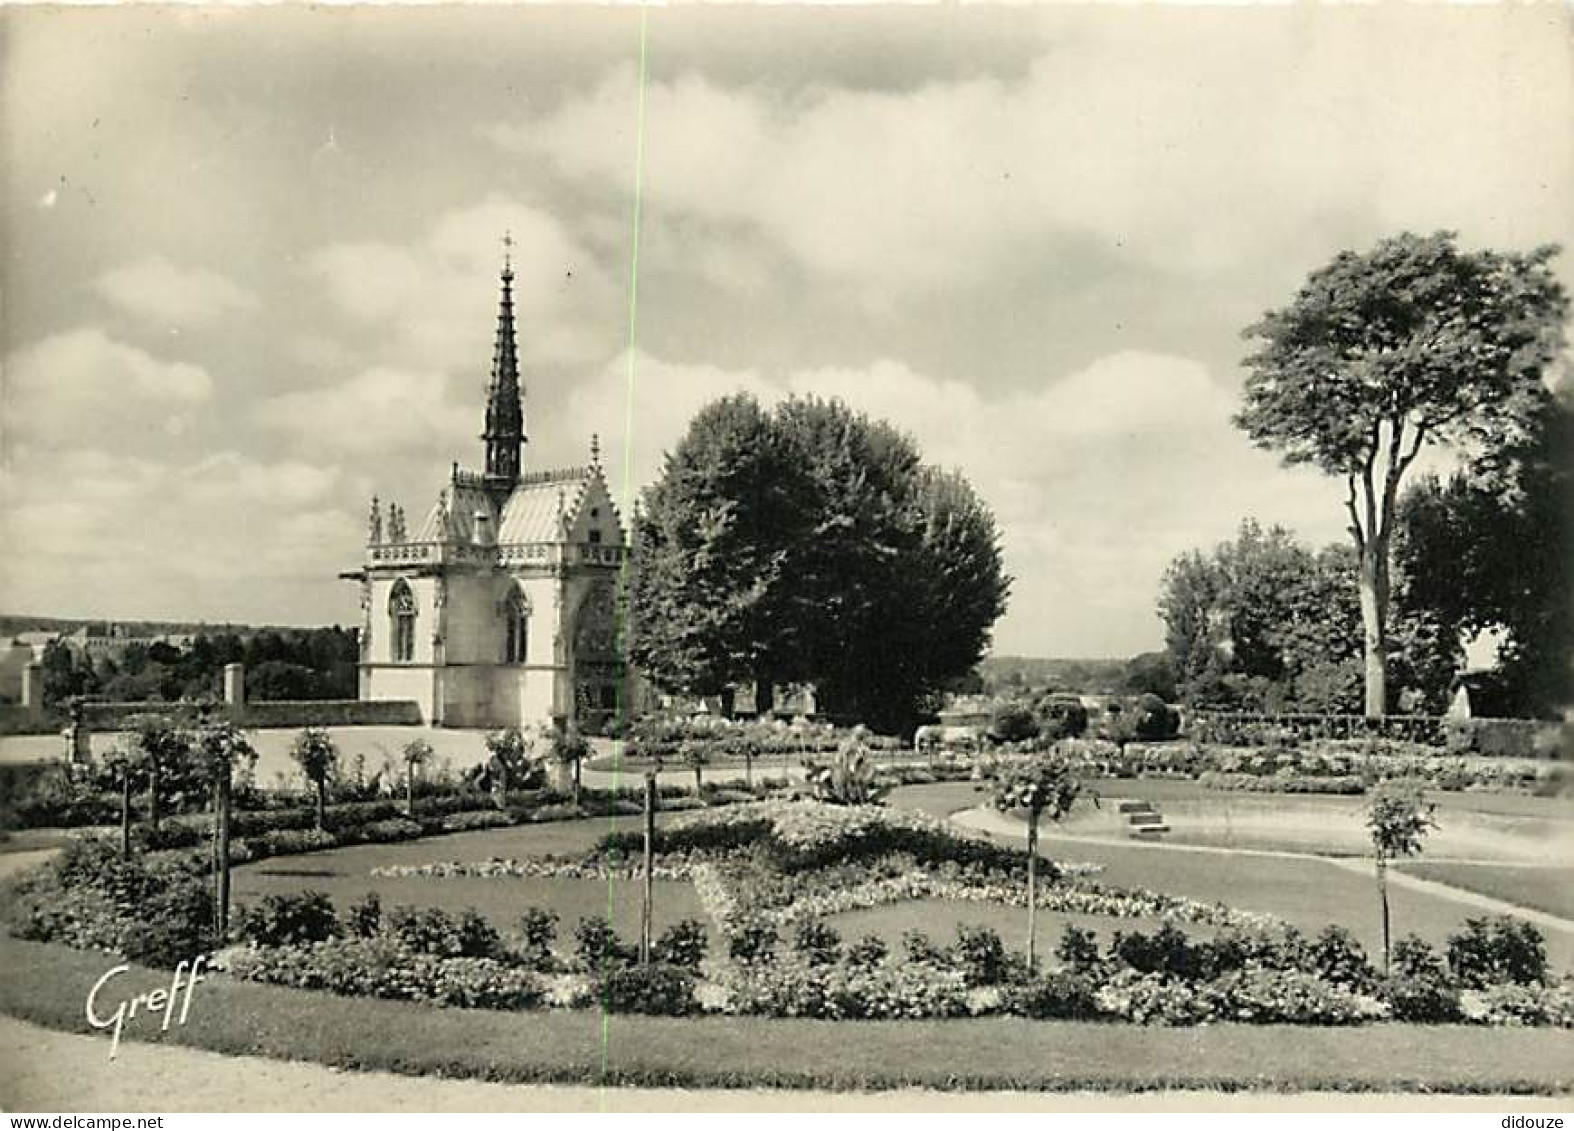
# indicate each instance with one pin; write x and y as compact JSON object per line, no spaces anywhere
{"x":505,"y":413}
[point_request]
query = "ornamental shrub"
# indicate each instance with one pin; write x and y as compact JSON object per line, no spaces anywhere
{"x":1165,"y":951}
{"x":752,"y":940}
{"x":537,"y":932}
{"x":431,"y":930}
{"x":818,"y":942}
{"x":1063,"y":995}
{"x":920,"y":948}
{"x":981,"y":956}
{"x":1514,"y":1004}
{"x":1078,"y":949}
{"x":1153,"y":999}
{"x":1061,"y":716}
{"x":1156,"y":720}
{"x":663,"y":991}
{"x":1495,"y":950}
{"x":597,"y":946}
{"x":795,"y":987}
{"x":365,"y":917}
{"x":381,"y":967}
{"x":157,"y":912}
{"x":681,"y":945}
{"x":871,"y":950}
{"x":1336,"y":957}
{"x":1264,"y":996}
{"x":1012,"y":722}
{"x":278,"y":920}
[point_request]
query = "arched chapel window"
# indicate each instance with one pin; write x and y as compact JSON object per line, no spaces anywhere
{"x":401,"y":616}
{"x":516,"y":628}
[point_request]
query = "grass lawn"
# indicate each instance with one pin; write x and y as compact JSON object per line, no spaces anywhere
{"x":47,"y":985}
{"x":1546,"y":889}
{"x":344,"y":874}
{"x":938,"y":800}
{"x":939,"y":919}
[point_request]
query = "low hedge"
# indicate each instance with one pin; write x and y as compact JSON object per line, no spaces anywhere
{"x":1244,"y":728}
{"x":1252,"y":783}
{"x":1509,"y":738}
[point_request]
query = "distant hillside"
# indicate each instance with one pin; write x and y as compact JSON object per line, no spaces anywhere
{"x":12,"y":624}
{"x":1088,"y":676}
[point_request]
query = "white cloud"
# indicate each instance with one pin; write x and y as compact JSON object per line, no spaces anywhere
{"x":431,"y":302}
{"x":377,"y":412}
{"x":172,"y":296}
{"x":1181,"y":149}
{"x":1098,"y":480}
{"x":83,"y":383}
{"x":188,"y":538}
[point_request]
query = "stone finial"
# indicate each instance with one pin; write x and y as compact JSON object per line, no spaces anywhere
{"x":595,"y":450}
{"x":374,"y":524}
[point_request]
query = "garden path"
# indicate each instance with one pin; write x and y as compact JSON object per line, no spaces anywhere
{"x":1000,"y":824}
{"x":46,"y":1070}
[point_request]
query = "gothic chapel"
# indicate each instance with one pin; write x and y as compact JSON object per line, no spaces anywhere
{"x":500,"y":607}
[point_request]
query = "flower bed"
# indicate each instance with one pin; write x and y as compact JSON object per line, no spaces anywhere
{"x":1317,"y":766}
{"x":549,"y":867}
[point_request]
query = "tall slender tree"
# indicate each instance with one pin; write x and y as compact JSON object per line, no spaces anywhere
{"x":1413,"y":343}
{"x":1397,"y":822}
{"x":316,"y":754}
{"x":1038,"y":786}
{"x":223,"y":748}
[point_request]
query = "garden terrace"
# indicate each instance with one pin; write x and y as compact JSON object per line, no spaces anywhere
{"x":585,"y":1047}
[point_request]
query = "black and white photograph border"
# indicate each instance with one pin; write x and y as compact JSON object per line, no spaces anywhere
{"x":927,"y":558}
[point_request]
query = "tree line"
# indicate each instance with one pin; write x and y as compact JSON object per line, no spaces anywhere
{"x":1381,"y":355}
{"x":307,"y":663}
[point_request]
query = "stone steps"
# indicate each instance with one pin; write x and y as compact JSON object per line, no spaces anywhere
{"x":1143,"y":821}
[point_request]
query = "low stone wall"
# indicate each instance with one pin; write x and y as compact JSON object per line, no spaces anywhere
{"x":331,"y":713}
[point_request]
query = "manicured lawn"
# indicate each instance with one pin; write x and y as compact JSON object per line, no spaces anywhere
{"x":939,"y":919}
{"x":940,"y":799}
{"x":1546,"y":889}
{"x":1306,"y":892}
{"x":344,"y":874}
{"x":47,"y":985}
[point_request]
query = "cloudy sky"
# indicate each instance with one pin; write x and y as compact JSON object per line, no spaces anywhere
{"x":250,"y":261}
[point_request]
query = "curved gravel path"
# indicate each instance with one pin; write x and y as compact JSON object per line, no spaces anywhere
{"x":45,"y":1070}
{"x":988,"y":820}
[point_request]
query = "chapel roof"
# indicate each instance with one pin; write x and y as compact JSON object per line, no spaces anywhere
{"x":531,"y":512}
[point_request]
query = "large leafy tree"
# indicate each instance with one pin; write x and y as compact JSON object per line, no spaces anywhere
{"x":1493,"y":548}
{"x":811,"y":544}
{"x":714,"y":536}
{"x":1415,"y":342}
{"x":1260,"y":623}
